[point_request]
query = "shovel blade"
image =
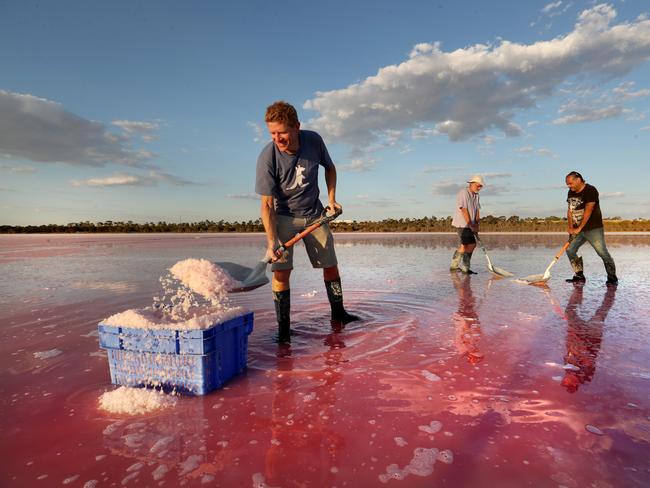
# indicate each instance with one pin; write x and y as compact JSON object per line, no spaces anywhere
{"x":248,"y":278}
{"x":501,"y":272}
{"x":534,"y":279}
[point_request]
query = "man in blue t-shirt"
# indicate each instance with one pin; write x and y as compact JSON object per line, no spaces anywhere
{"x":586,"y":225}
{"x":287,"y":180}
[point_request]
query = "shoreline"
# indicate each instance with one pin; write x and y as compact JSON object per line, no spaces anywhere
{"x":384,"y":233}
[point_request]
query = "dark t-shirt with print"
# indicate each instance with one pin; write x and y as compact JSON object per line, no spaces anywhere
{"x":293,"y":179}
{"x":577,"y":203}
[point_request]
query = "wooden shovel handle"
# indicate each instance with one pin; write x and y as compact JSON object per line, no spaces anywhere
{"x":564,"y":248}
{"x":323,"y":220}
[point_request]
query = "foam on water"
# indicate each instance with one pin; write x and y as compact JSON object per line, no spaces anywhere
{"x":420,"y":465}
{"x":432,"y":428}
{"x":52,"y":353}
{"x":134,"y":401}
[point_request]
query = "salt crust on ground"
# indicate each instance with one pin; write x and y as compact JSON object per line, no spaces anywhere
{"x":134,"y":401}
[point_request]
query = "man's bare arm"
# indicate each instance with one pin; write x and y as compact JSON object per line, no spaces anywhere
{"x":267,"y":212}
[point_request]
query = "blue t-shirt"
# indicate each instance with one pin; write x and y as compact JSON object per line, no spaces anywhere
{"x":292,"y":179}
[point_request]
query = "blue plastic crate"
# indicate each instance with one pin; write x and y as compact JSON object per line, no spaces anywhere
{"x":190,"y":361}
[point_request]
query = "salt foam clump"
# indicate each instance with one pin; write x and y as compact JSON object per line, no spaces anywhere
{"x":149,"y":318}
{"x":203,"y":277}
{"x":134,"y":401}
{"x":195,"y":296}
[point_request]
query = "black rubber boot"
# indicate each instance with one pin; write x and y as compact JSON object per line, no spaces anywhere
{"x":282,"y":301}
{"x":466,"y":258}
{"x":455,"y":261}
{"x":612,"y":281}
{"x":579,"y":277}
{"x":335,"y":296}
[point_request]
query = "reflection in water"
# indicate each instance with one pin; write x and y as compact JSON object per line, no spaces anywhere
{"x":584,"y":338}
{"x":304,"y":444}
{"x":466,"y":321}
{"x":496,"y":241}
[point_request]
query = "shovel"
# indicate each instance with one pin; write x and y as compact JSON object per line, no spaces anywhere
{"x":543,"y":278}
{"x":494,"y":269}
{"x":251,"y":278}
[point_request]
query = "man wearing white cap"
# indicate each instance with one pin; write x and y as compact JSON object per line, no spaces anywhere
{"x":466,"y":220}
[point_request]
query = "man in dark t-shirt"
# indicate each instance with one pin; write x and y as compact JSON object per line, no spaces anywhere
{"x":585,"y":222}
{"x":287,"y":181}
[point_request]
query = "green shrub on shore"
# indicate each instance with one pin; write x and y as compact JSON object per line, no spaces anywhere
{"x":489,"y":223}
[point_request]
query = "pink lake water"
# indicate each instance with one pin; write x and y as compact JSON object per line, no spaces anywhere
{"x":446,"y":380}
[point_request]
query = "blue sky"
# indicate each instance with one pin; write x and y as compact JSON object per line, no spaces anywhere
{"x":153,"y":110}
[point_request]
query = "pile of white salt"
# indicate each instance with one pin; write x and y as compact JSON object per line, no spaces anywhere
{"x":134,"y":401}
{"x":195,"y":296}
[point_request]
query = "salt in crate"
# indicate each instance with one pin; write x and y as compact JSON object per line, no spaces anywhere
{"x":194,"y":361}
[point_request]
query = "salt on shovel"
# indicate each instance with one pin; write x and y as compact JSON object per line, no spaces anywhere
{"x":494,"y":269}
{"x":543,"y":278}
{"x":249,"y":279}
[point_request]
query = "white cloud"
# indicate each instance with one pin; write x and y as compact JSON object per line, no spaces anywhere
{"x":244,"y":196}
{"x":18,"y":169}
{"x":443,"y":169}
{"x":586,"y":104}
{"x":469,"y":91}
{"x":551,"y":6}
{"x":422,"y":133}
{"x":143,"y":129}
{"x":610,"y":195}
{"x":447,"y":187}
{"x":489,"y":176}
{"x":358,"y":165}
{"x":376,"y":202}
{"x":258,"y":131}
{"x":646,"y":128}
{"x":588,"y":114}
{"x":40,"y":130}
{"x":624,"y":91}
{"x":531,"y":151}
{"x":153,"y":178}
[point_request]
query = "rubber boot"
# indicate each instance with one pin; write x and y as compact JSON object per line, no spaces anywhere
{"x":465,"y":262}
{"x":578,"y":274}
{"x":455,"y":261}
{"x":282,"y":301}
{"x":335,"y":295}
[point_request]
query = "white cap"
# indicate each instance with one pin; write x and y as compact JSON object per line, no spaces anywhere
{"x":477,"y":179}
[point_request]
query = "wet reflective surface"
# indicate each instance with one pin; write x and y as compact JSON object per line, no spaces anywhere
{"x":447,"y":380}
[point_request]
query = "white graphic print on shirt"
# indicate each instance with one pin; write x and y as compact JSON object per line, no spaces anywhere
{"x":299,"y":180}
{"x":576,"y":213}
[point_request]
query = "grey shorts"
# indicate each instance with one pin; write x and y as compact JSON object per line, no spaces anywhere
{"x":466,"y":236}
{"x":319,"y":244}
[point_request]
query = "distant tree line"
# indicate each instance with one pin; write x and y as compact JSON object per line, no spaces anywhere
{"x":489,"y":223}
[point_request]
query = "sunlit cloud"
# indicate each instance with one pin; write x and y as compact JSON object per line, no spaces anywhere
{"x":611,"y":195}
{"x":144,"y":129}
{"x":244,"y":196}
{"x":358,"y":165}
{"x":531,"y":151}
{"x":17,"y":168}
{"x":153,"y":178}
{"x":548,"y":8}
{"x":589,"y":114}
{"x":39,"y":130}
{"x":258,"y":131}
{"x":466,"y":92}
